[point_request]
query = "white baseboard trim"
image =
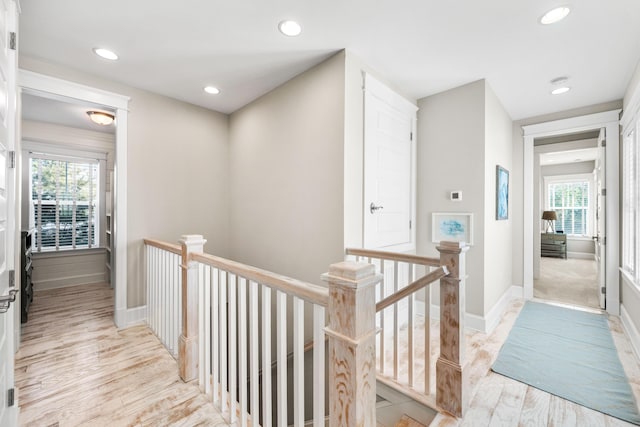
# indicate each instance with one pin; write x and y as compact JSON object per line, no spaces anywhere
{"x":136,"y":315}
{"x":631,"y":330}
{"x":65,"y":282}
{"x":127,"y":317}
{"x":484,"y":324}
{"x":581,"y":255}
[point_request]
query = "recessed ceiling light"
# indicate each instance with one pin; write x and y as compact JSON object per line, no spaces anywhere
{"x":290,"y":28}
{"x":105,"y":53}
{"x":212,"y":90}
{"x":560,"y":90}
{"x":559,"y":81}
{"x":555,"y":15}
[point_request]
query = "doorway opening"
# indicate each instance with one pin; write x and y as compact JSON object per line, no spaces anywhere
{"x":61,"y":90}
{"x":606,"y":124}
{"x":568,"y":171}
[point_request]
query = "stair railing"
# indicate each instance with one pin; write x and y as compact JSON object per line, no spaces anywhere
{"x":238,"y":324}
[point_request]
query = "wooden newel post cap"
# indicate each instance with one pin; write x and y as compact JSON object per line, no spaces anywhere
{"x":352,"y":274}
{"x":452,"y":247}
{"x":191,"y":240}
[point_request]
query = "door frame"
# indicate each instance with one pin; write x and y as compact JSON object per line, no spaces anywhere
{"x":29,"y":80}
{"x":531,"y":225}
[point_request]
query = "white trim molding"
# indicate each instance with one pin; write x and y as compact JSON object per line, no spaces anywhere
{"x":54,"y":88}
{"x":485,"y":324}
{"x":631,"y":330}
{"x":609,"y":120}
{"x":136,"y":316}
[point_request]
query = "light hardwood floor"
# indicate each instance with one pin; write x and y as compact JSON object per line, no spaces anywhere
{"x":74,"y":368}
{"x":500,"y":401}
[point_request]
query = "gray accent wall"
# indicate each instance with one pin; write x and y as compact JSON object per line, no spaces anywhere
{"x":286,"y":175}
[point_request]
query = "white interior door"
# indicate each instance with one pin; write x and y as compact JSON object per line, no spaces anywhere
{"x":389,"y":183}
{"x":8,"y":20}
{"x":600,"y":222}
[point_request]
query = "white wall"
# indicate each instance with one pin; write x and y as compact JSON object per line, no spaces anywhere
{"x":497,"y":234}
{"x":287,"y":174}
{"x":451,"y":156}
{"x":177,"y":170}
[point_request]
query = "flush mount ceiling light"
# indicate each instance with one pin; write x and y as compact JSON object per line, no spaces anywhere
{"x":290,"y":28}
{"x":560,"y":90}
{"x":212,"y":90}
{"x":105,"y":53}
{"x":555,"y":15}
{"x":101,"y":118}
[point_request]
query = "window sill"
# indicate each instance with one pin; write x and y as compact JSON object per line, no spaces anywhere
{"x":577,"y":237}
{"x":67,"y":253}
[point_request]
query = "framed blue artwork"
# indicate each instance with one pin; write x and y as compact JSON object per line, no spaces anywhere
{"x":502,"y":193}
{"x":452,"y":227}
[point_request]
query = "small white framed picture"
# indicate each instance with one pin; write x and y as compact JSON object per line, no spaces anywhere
{"x":452,"y":227}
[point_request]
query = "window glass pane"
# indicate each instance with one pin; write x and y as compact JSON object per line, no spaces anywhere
{"x":64,"y":202}
{"x":570,"y":200}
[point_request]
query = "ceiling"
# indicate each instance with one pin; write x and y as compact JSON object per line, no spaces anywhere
{"x":569,"y":156}
{"x":421,"y":46}
{"x":66,"y":113}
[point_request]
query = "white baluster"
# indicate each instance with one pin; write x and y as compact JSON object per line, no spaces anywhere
{"x":298,"y":362}
{"x":233,"y":346}
{"x":410,"y":316}
{"x":266,"y":357}
{"x":215,"y":336}
{"x":206,"y":302}
{"x":242,"y":348}
{"x":224,"y":395}
{"x":396,"y":325}
{"x":201,"y":328}
{"x":281,"y":337}
{"x":318,"y":366}
{"x":254,"y":352}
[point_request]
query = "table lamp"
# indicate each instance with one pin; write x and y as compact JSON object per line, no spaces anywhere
{"x":549,"y":217}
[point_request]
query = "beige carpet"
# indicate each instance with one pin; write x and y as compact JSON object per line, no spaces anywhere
{"x":570,"y":281}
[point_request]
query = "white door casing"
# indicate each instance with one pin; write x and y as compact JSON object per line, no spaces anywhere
{"x":610,"y":121}
{"x":8,"y":24}
{"x":601,"y":215}
{"x":389,"y":169}
{"x":54,"y":87}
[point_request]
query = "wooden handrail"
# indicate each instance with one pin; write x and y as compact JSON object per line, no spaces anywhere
{"x":394,"y":256}
{"x":307,"y":291}
{"x":436,"y":274}
{"x":169,"y":247}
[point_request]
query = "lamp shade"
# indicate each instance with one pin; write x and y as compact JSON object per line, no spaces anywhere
{"x":549,"y":215}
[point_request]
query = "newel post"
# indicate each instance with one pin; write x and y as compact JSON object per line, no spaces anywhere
{"x":452,"y":386}
{"x":188,"y":343}
{"x":352,"y":344}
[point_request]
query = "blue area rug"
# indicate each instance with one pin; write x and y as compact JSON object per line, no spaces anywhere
{"x":570,"y":354}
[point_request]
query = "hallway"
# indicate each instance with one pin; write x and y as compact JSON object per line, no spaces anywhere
{"x":75,"y":368}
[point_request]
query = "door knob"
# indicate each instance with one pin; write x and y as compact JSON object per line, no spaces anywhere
{"x":373,"y":208}
{"x":6,"y":300}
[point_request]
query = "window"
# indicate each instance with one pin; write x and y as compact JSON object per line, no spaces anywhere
{"x":570,"y":197}
{"x":630,"y":205}
{"x":64,"y":202}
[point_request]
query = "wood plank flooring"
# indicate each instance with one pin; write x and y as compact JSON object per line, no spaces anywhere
{"x":74,"y":368}
{"x":500,"y":401}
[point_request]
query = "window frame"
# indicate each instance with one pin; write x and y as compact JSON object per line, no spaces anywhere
{"x":569,"y":179}
{"x":56,"y":152}
{"x":630,"y":203}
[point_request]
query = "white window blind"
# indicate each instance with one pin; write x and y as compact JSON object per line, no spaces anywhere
{"x":571,"y":199}
{"x":630,"y":204}
{"x":64,"y":198}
